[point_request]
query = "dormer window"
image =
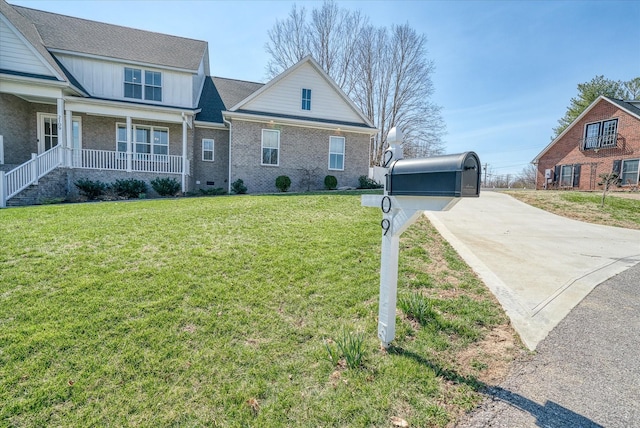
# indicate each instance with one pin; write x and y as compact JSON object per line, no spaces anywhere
{"x":306,"y":99}
{"x":153,"y":85}
{"x":133,"y":84}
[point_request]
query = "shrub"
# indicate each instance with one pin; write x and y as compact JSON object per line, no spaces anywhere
{"x":213,"y":192}
{"x":283,"y":183}
{"x":129,"y":188}
{"x":238,"y":187}
{"x":368,"y":183}
{"x":91,"y":189}
{"x":330,"y":182}
{"x":167,"y":186}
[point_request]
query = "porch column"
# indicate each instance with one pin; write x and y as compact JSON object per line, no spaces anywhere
{"x":62,"y":134}
{"x":184,"y":153}
{"x":68,"y":144}
{"x":129,"y":145}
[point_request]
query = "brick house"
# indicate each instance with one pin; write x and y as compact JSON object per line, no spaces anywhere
{"x":604,"y":138}
{"x":99,"y":101}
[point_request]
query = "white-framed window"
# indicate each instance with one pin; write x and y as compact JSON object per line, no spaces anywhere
{"x":336,"y":153}
{"x":149,"y":140}
{"x":270,"y":147}
{"x":132,"y":83}
{"x":306,"y":99}
{"x":207,"y":149}
{"x":629,"y":172}
{"x":135,"y":80}
{"x":153,"y":85}
{"x":600,"y":134}
{"x":568,"y":175}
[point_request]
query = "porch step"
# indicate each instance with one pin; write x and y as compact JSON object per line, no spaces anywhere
{"x":49,"y":187}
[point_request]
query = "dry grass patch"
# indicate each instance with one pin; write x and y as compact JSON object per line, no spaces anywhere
{"x":620,"y":210}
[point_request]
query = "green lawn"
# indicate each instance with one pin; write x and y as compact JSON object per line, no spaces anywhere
{"x":222,"y":311}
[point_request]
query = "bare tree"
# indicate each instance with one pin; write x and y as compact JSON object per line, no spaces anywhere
{"x":384,"y":71}
{"x":289,"y":42}
{"x":527,"y":177}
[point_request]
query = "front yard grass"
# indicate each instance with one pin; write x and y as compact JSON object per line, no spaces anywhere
{"x":223,"y":311}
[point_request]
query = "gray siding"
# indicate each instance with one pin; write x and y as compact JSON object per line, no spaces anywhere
{"x":18,"y":127}
{"x":304,"y":152}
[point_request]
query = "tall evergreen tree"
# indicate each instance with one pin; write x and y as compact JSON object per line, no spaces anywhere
{"x":588,"y":92}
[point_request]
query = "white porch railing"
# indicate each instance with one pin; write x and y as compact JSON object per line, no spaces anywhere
{"x":137,"y":162}
{"x":18,"y":179}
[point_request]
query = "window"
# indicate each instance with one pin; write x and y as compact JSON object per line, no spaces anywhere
{"x":270,"y":146}
{"x":153,"y":85}
{"x":600,"y":134}
{"x":133,"y":84}
{"x":336,"y":153}
{"x":306,"y":99}
{"x":146,"y":140}
{"x":629,"y":173}
{"x":207,"y":149}
{"x":569,"y":175}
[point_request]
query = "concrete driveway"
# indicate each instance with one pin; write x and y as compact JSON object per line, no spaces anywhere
{"x":539,"y":265}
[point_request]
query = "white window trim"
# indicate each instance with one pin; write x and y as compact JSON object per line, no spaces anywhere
{"x":343,"y":153}
{"x":600,"y":138}
{"x":262,"y":147}
{"x":143,"y":84}
{"x":151,"y":129}
{"x":622,"y":183}
{"x":302,"y":99}
{"x":562,"y":167}
{"x":213,"y":147}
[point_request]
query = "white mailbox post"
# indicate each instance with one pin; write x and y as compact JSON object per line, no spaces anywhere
{"x":429,"y":184}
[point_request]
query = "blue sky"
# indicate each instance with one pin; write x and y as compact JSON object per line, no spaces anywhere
{"x":505,"y":70}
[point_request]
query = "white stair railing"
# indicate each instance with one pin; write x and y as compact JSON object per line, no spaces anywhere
{"x":21,"y":177}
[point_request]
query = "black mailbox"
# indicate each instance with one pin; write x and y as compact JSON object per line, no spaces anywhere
{"x":450,"y":175}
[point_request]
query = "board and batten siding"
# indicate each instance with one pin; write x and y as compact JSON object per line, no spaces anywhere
{"x":105,"y":79}
{"x":16,"y":55}
{"x":285,"y":97}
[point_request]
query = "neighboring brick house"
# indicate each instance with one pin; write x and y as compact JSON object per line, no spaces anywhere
{"x":102,"y":101}
{"x":604,"y":138}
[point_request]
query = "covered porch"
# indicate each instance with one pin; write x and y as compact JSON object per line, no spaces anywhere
{"x":89,"y":134}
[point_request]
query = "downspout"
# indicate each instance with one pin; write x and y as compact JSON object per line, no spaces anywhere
{"x":184,"y":153}
{"x":229,"y":179}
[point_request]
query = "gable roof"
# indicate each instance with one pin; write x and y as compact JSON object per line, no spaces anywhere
{"x":75,"y":35}
{"x":630,"y":108}
{"x":26,"y":28}
{"x":310,"y":61}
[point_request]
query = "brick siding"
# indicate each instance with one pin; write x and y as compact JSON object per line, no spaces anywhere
{"x":566,"y":151}
{"x":18,"y":127}
{"x":303,"y":157}
{"x":216,"y":172}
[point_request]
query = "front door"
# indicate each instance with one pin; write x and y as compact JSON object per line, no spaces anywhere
{"x":47,"y":132}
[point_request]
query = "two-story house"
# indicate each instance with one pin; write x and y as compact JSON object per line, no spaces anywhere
{"x":605,"y":138}
{"x":100,"y":101}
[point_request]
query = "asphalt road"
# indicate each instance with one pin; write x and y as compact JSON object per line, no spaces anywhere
{"x":585,"y":373}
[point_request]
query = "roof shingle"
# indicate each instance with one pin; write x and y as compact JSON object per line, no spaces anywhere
{"x":66,"y":33}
